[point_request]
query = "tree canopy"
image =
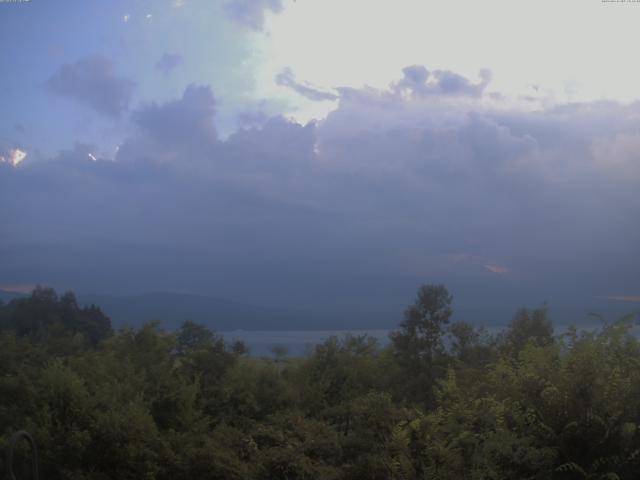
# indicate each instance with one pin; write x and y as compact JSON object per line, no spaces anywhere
{"x":442,"y":400}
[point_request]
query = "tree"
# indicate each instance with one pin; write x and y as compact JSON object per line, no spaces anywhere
{"x":420,"y":334}
{"x":528,"y":326}
{"x":280,"y":353}
{"x":203,"y":357}
{"x":56,"y":321}
{"x":418,"y":343}
{"x":192,"y":337}
{"x":471,"y":345}
{"x":239,"y":348}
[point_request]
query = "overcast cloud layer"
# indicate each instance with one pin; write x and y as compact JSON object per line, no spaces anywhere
{"x":433,"y":179}
{"x":324,"y":154}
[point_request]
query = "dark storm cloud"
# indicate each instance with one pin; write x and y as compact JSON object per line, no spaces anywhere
{"x":387,"y":192}
{"x":188,"y":120}
{"x":168,"y":62}
{"x":92,"y":81}
{"x":250,"y":13}
{"x":252,"y":118}
{"x":179,"y":128}
{"x":286,"y":78}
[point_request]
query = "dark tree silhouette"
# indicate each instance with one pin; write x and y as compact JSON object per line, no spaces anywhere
{"x":418,"y":344}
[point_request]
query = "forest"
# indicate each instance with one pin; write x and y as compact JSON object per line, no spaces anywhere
{"x":444,"y":400}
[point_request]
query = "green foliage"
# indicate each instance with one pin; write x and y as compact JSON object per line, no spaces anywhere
{"x":57,"y":322}
{"x":419,"y":342}
{"x":148,"y":404}
{"x":528,"y":326}
{"x":420,"y":336}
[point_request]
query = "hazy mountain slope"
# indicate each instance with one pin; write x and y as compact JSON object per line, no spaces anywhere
{"x":224,"y":315}
{"x":174,"y":308}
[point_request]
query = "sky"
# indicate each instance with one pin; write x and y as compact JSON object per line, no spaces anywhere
{"x":320,"y":153}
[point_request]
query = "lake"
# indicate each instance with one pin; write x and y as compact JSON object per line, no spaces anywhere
{"x":298,"y":342}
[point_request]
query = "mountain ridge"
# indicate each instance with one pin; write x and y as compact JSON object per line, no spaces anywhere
{"x":173,"y":308}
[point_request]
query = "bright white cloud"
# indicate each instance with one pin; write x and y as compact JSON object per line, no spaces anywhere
{"x":333,"y":43}
{"x":13,"y":157}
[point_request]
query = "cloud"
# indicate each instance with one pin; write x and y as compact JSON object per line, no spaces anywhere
{"x":622,"y":298}
{"x":251,"y":13}
{"x":18,"y":288}
{"x":497,"y":269}
{"x":174,"y":130}
{"x":618,"y":154}
{"x":251,"y":118}
{"x":168,"y":62}
{"x":286,"y":78}
{"x":13,"y":157}
{"x":92,"y":82}
{"x":357,"y":209}
{"x":479,"y":261}
{"x":420,"y":82}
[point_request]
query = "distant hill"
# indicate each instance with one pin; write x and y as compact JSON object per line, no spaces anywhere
{"x":218,"y":314}
{"x":174,"y":308}
{"x":7,"y":296}
{"x":224,"y":315}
